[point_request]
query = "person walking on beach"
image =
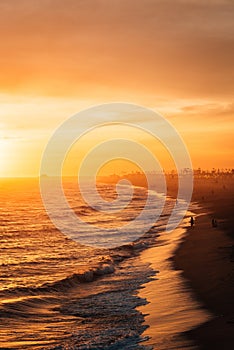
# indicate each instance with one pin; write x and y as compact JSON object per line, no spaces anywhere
{"x":191,"y":221}
{"x":214,"y":223}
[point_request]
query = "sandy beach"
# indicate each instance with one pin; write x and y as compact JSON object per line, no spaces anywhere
{"x":91,"y":93}
{"x":200,"y":273}
{"x":206,"y":259}
{"x":172,"y":307}
{"x":190,"y":298}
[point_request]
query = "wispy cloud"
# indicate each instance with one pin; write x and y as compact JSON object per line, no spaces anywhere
{"x":107,"y":48}
{"x":215,"y":112}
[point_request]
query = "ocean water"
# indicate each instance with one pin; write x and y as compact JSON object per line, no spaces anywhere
{"x":56,"y":293}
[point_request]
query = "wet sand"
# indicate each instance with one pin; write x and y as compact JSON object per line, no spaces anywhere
{"x":172,"y":307}
{"x":207,"y":260}
{"x":201,"y":275}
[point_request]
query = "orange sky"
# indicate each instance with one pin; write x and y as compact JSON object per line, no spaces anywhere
{"x":58,"y":57}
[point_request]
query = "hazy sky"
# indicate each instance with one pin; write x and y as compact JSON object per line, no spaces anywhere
{"x":58,"y":57}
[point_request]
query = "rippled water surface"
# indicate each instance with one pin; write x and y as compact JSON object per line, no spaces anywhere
{"x":58,"y":294}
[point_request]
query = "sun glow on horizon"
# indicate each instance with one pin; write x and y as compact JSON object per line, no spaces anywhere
{"x":4,"y":156}
{"x":58,"y":61}
{"x":30,"y":122}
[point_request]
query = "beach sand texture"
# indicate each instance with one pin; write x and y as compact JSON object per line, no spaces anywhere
{"x":190,"y":299}
{"x":207,"y":260}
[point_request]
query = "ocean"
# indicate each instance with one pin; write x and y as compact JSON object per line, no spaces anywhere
{"x":56,"y":293}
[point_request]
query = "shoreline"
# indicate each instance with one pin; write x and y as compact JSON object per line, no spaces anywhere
{"x":207,"y":263}
{"x":203,"y":259}
{"x":206,"y":259}
{"x":172,"y":307}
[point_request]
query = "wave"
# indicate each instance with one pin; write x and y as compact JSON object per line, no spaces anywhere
{"x":64,"y":284}
{"x":82,"y":277}
{"x":107,"y":265}
{"x":25,"y":301}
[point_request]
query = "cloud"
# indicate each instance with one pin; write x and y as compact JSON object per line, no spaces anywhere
{"x":107,"y":48}
{"x":223,"y":112}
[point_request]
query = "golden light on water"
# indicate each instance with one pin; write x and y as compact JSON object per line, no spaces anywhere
{"x":172,"y":57}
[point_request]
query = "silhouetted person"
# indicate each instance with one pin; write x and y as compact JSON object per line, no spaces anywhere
{"x":191,"y":221}
{"x":214,"y":223}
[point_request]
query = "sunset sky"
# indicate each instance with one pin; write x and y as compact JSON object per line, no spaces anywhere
{"x":58,"y":57}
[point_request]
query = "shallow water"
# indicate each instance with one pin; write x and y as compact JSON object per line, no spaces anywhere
{"x":58,"y":294}
{"x":172,"y":307}
{"x":33,"y":251}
